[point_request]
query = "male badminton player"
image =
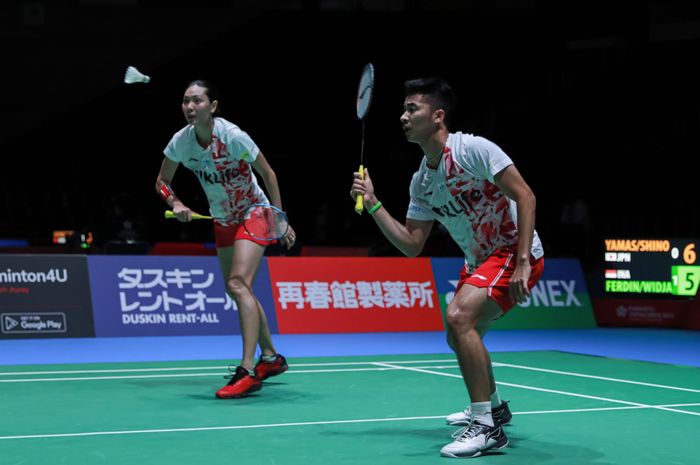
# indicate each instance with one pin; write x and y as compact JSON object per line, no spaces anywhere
{"x":221,"y":155}
{"x":472,"y":187}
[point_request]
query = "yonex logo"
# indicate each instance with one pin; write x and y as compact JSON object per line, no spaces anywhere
{"x":546,"y":293}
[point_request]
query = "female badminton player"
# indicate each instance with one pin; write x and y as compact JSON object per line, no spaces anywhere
{"x":221,"y":155}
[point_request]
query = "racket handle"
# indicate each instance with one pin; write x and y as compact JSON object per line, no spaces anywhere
{"x":359,"y":199}
{"x":195,"y":216}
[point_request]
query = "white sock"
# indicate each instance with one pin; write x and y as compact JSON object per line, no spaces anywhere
{"x":482,"y":412}
{"x":495,"y":399}
{"x":269,"y":358}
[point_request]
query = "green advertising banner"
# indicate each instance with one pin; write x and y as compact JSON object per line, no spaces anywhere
{"x":559,"y":300}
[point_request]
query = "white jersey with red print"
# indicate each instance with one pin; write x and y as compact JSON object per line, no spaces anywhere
{"x":223,"y":168}
{"x":461,"y":195}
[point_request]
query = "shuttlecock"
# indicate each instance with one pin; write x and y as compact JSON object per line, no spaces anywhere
{"x":133,"y":75}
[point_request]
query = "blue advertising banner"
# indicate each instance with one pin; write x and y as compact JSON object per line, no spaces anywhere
{"x":559,"y":300}
{"x":167,"y":296}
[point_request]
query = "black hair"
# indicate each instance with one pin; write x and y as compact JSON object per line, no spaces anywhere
{"x":437,"y":90}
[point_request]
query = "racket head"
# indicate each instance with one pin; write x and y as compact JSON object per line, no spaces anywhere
{"x":365,"y":90}
{"x":265,"y":222}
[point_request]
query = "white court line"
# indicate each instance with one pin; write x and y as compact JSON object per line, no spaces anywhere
{"x":388,"y":364}
{"x":553,"y":391}
{"x":602,"y":409}
{"x":327,"y":364}
{"x":310,"y":423}
{"x":606,"y":399}
{"x":219,"y":367}
{"x":212,"y":428}
{"x":602,"y":378}
{"x":190,"y":375}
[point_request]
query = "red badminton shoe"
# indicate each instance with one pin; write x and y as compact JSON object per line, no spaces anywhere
{"x":240,"y":385}
{"x":265,"y":369}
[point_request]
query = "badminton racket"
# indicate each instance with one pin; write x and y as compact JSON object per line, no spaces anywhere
{"x":364,"y":99}
{"x":261,"y":221}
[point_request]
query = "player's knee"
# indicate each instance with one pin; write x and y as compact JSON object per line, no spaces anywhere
{"x":236,"y":287}
{"x":458,"y":319}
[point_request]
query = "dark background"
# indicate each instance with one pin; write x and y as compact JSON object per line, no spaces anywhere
{"x":595,"y":101}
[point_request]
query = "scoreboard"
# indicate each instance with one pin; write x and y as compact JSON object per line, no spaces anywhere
{"x":652,"y":267}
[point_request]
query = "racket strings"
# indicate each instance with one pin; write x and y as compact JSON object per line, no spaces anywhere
{"x":266,"y":224}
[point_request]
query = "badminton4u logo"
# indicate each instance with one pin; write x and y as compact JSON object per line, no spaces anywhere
{"x":53,"y":275}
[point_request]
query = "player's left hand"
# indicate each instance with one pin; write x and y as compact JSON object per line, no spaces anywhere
{"x":289,"y":239}
{"x":519,"y":291}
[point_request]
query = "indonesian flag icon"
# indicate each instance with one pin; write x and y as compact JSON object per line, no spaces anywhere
{"x":610,"y":274}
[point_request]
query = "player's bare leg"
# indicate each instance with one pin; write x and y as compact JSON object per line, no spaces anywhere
{"x":239,"y":265}
{"x":469,"y":312}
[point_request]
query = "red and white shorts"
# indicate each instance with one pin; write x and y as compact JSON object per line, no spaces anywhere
{"x":495,"y":273}
{"x":226,"y":235}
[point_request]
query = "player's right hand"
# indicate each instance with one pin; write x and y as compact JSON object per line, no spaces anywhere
{"x":363,"y":187}
{"x":182,"y":213}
